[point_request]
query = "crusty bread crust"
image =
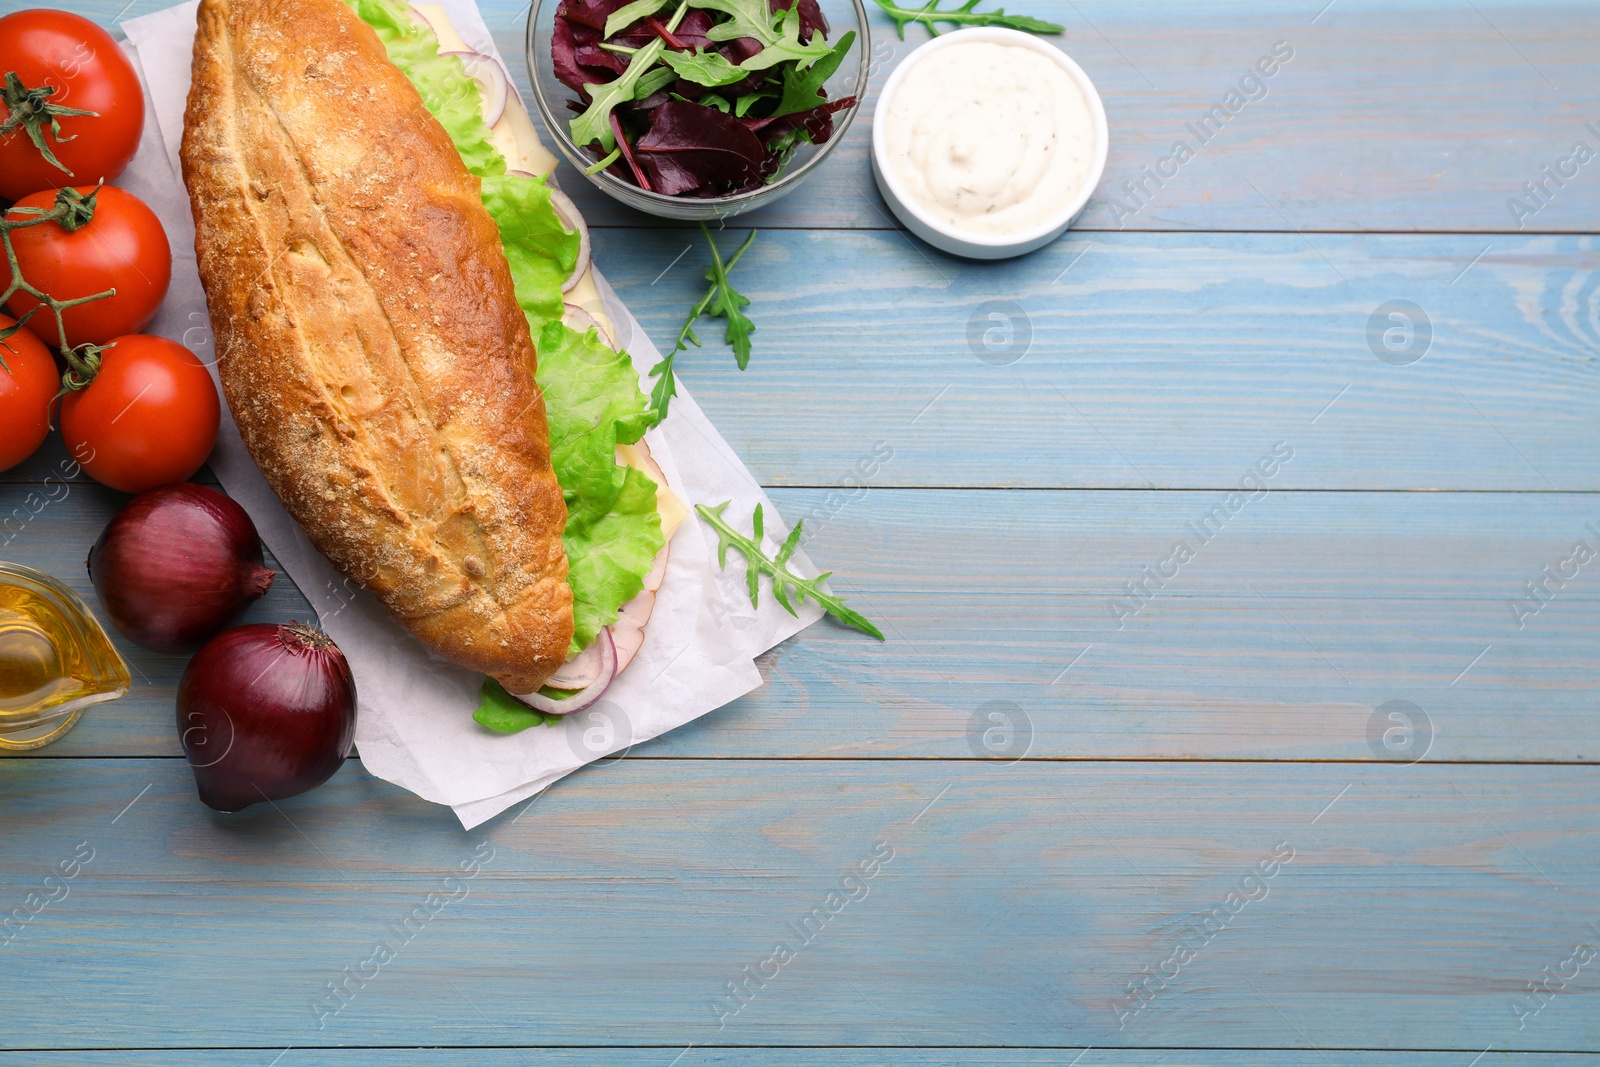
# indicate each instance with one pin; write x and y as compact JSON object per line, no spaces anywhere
{"x":370,"y":345}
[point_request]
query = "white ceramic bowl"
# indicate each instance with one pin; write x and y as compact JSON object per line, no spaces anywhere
{"x":962,"y":242}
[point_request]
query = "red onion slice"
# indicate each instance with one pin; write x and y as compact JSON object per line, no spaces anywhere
{"x":417,"y":16}
{"x":579,"y":319}
{"x":567,"y":211}
{"x":492,"y":79}
{"x":593,"y":692}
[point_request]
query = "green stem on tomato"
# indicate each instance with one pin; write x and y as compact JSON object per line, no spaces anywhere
{"x":72,"y":211}
{"x":30,"y":108}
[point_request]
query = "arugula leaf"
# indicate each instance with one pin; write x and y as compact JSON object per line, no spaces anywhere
{"x":655,"y":81}
{"x":757,"y":563}
{"x":710,"y":69}
{"x":964,"y":15}
{"x":626,"y":16}
{"x":666,"y":386}
{"x":595,"y":122}
{"x":779,"y":38}
{"x":802,"y":87}
{"x":748,"y":100}
{"x":727,"y":301}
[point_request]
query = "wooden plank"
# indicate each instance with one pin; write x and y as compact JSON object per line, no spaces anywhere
{"x":1284,"y":637}
{"x":1170,"y":360}
{"x":1388,"y":116}
{"x":1009,"y":905}
{"x":783,"y":1057}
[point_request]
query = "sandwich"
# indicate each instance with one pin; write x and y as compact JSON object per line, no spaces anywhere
{"x":410,"y":340}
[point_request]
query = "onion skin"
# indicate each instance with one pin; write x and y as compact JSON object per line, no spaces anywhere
{"x":176,"y":565}
{"x":265,"y":712}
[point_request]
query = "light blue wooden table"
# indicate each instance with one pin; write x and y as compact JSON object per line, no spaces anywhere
{"x":1192,"y":845}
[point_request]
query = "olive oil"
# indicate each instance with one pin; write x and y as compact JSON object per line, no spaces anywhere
{"x":55,"y":660}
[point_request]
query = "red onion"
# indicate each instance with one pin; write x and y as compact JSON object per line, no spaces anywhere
{"x":493,"y":82}
{"x":417,"y":16}
{"x":579,"y":319}
{"x":265,"y":712}
{"x":568,"y":213}
{"x":598,"y":666}
{"x":176,"y":565}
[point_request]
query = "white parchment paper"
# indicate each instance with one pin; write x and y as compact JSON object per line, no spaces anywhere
{"x":414,"y":725}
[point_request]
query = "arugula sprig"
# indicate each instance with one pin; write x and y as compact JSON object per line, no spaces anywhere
{"x":778,"y":34}
{"x":594,"y":125}
{"x":757,"y":563}
{"x":930,"y":13}
{"x":720,"y":299}
{"x":727,"y":302}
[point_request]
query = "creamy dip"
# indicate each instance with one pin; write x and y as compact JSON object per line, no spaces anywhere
{"x":992,"y":139}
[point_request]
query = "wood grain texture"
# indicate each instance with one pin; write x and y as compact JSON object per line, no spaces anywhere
{"x":1421,"y":898}
{"x":782,"y":1057}
{"x":1138,"y":360}
{"x":1413,"y":116}
{"x":1299,"y":618}
{"x":1011,"y":905}
{"x":1407,"y":116}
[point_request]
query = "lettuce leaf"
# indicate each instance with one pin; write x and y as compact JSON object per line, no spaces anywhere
{"x":441,"y":81}
{"x":593,"y":402}
{"x":541,"y":251}
{"x":504,"y":713}
{"x":592,"y":395}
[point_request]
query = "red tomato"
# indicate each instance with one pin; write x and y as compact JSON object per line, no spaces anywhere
{"x":25,"y":395}
{"x":90,"y":72}
{"x":149,"y":417}
{"x":123,"y":248}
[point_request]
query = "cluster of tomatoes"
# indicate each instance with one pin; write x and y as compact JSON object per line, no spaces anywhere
{"x":135,"y":410}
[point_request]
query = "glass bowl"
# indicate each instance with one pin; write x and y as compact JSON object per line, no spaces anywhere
{"x":552,"y":96}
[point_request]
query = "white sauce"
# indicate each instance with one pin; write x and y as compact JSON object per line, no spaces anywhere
{"x":989,"y":138}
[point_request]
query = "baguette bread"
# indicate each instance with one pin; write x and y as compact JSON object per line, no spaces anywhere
{"x":369,"y":341}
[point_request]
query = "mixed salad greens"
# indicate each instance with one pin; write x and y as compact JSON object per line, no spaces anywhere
{"x":697,"y":98}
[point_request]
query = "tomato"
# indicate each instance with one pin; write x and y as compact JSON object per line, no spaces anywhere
{"x":123,"y":247}
{"x":148,"y":418}
{"x":25,"y":395}
{"x":90,"y":72}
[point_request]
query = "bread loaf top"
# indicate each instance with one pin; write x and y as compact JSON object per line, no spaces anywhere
{"x":369,"y":341}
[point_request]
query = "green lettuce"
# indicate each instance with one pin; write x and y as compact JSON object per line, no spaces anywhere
{"x":441,"y":81}
{"x":592,"y":395}
{"x":541,"y":251}
{"x":504,"y":713}
{"x":593,"y":402}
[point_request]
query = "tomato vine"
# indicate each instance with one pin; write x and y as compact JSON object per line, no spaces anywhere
{"x":72,"y":211}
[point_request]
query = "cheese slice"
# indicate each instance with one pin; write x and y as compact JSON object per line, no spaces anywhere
{"x":671,"y":508}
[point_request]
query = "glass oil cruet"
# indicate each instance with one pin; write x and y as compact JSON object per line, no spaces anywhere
{"x":55,"y":659}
